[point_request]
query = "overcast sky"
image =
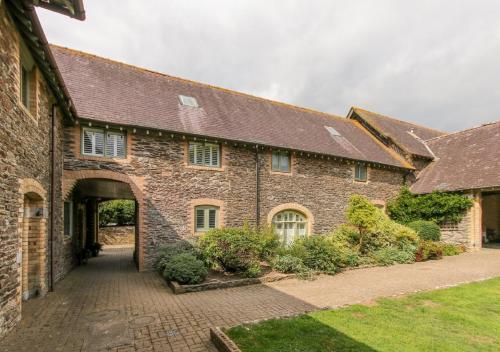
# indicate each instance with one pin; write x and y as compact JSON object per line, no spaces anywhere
{"x":429,"y":61}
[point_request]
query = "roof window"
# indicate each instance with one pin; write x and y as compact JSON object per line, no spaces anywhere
{"x":333,"y":132}
{"x":188,"y":101}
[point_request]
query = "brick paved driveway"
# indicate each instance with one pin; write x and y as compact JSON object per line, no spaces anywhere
{"x":108,"y":305}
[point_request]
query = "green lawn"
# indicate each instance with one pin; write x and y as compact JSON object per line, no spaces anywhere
{"x":464,"y":318}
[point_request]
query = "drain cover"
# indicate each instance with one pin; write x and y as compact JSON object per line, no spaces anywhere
{"x":140,"y":321}
{"x":103,"y":315}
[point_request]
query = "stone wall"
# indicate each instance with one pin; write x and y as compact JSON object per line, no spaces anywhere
{"x":171,"y":188}
{"x":24,"y":168}
{"x":117,"y":235}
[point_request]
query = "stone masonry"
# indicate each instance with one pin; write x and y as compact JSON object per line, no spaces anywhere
{"x":24,"y":170}
{"x":171,"y":188}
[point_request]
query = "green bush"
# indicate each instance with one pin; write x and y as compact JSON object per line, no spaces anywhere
{"x":168,"y":250}
{"x":391,"y":255}
{"x":317,"y":253}
{"x":185,"y":268}
{"x":372,"y":230}
{"x":452,"y":249}
{"x":426,"y":230}
{"x":232,"y":249}
{"x":439,"y":207}
{"x":118,"y":211}
{"x":428,"y":250}
{"x":287,"y":263}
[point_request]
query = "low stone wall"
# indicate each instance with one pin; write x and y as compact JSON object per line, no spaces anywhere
{"x":114,"y":235}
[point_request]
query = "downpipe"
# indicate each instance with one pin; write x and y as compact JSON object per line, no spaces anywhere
{"x":52,"y":216}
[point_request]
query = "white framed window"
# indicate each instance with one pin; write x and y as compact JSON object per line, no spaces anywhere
{"x":68,"y":218}
{"x":290,"y":225}
{"x":204,"y":154}
{"x":27,"y":80}
{"x":206,"y":217}
{"x":97,"y":142}
{"x":281,"y":161}
{"x":361,"y":172}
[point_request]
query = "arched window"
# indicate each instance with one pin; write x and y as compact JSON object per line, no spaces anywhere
{"x":289,"y":225}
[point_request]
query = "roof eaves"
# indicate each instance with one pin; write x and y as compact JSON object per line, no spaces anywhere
{"x":31,"y":30}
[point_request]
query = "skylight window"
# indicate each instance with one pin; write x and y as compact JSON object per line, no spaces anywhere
{"x":188,"y":101}
{"x":333,"y":131}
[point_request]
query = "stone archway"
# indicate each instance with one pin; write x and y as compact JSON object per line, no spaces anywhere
{"x":33,"y":238}
{"x":136,"y":183}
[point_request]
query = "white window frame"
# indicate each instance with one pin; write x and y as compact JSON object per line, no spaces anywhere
{"x":70,"y":233}
{"x":206,"y":217}
{"x":289,"y":225}
{"x":105,"y":134}
{"x":357,"y":173}
{"x":203,"y":154}
{"x":277,"y":161}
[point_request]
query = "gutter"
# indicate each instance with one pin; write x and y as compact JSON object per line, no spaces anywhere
{"x":53,"y":146}
{"x":257,"y":187}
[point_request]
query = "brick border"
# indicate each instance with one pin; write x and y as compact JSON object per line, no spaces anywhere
{"x":137,"y":185}
{"x":221,"y":341}
{"x":178,"y":289}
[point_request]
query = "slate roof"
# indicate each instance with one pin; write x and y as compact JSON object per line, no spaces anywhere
{"x":469,"y":159}
{"x":398,"y":132}
{"x":116,"y":93}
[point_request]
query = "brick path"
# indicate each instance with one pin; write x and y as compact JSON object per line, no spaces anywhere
{"x":108,"y":305}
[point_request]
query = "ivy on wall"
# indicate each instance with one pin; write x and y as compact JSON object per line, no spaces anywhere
{"x":439,"y":207}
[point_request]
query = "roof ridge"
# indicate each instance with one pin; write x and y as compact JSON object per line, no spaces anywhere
{"x":399,"y":120}
{"x":466,"y":130}
{"x":189,"y":81}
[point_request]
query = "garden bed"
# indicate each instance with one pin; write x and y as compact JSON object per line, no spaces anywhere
{"x":217,"y":280}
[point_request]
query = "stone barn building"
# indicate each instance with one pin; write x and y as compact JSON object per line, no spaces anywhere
{"x":77,"y":129}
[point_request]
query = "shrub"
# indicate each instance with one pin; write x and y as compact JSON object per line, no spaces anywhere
{"x":437,"y":206}
{"x":167,"y":251}
{"x":426,"y":230}
{"x":317,"y":253}
{"x":428,"y":250}
{"x":231,"y":249}
{"x":267,"y":239}
{"x":391,"y":255}
{"x":185,"y":268}
{"x":287,"y":263}
{"x":452,"y":249}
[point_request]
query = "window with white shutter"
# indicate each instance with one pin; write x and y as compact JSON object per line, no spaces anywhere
{"x":206,"y":218}
{"x":204,"y":154}
{"x":97,"y":142}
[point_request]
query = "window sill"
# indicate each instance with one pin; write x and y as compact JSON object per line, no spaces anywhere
{"x":103,"y":158}
{"x":361,"y":182}
{"x":205,"y":168}
{"x":28,"y":112}
{"x":282,"y":173}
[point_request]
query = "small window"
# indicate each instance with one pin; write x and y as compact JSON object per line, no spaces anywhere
{"x":68,"y":219}
{"x":281,"y":161}
{"x":361,"y":172}
{"x":188,"y":101}
{"x":96,"y":142}
{"x":290,"y":225}
{"x":204,"y":154}
{"x":25,"y":99}
{"x":206,"y":218}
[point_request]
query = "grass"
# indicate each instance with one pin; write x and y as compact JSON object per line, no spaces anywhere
{"x":463,"y":318}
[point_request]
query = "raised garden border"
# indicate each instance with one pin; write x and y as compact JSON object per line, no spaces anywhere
{"x":178,"y":289}
{"x":221,"y":341}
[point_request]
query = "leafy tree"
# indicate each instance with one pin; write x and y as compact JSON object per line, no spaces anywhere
{"x":120,"y":212}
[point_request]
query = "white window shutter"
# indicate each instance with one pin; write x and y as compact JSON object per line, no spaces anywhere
{"x":120,"y":146}
{"x":98,"y":143}
{"x":199,"y":154}
{"x":192,"y":153}
{"x":110,"y":145}
{"x":200,"y":219}
{"x":215,"y":155}
{"x":212,"y":218}
{"x":88,"y":142}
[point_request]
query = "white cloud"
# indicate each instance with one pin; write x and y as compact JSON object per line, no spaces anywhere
{"x":430,"y":61}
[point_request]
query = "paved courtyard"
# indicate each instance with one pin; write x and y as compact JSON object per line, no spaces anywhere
{"x":109,"y":306}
